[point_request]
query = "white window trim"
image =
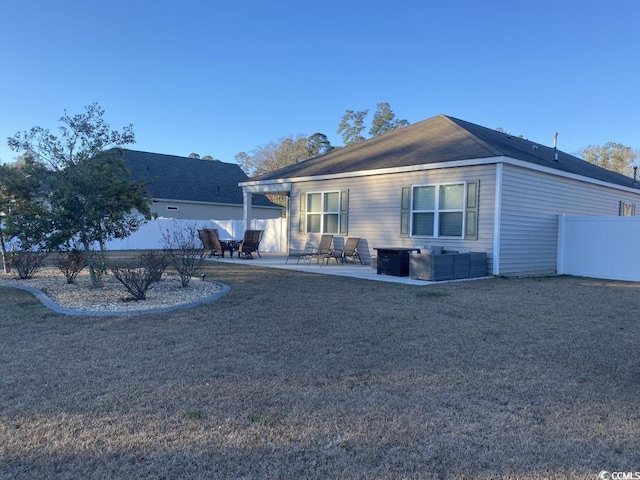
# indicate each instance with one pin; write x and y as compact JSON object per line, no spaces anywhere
{"x":436,"y":211}
{"x":322,"y":211}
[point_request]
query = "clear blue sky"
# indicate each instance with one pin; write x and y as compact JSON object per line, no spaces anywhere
{"x":219,"y":78}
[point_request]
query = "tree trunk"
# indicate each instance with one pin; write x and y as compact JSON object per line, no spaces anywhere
{"x":5,"y":258}
{"x":103,"y":255}
{"x":95,"y":282}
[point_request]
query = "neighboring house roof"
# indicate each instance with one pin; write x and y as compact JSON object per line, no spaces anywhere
{"x":190,"y":179}
{"x":437,"y":140}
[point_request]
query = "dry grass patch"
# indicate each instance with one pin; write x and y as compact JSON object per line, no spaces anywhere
{"x":293,"y":375}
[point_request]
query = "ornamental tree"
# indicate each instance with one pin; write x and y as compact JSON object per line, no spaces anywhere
{"x":91,"y":196}
{"x":26,"y":223}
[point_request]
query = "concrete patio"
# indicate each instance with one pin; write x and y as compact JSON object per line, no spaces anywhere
{"x":366,"y":272}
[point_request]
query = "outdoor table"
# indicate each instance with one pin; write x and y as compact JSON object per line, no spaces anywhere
{"x":393,"y":261}
{"x":230,"y":245}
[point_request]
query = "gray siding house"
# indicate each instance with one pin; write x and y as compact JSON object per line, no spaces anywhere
{"x":195,"y":189}
{"x":451,"y":183}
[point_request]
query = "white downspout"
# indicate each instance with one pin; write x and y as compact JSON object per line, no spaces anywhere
{"x":497,"y":219}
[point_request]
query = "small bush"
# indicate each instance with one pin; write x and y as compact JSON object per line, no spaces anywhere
{"x":144,"y":275}
{"x":184,"y":250}
{"x":71,"y":263}
{"x":135,"y":280}
{"x":27,"y":262}
{"x":156,"y":262}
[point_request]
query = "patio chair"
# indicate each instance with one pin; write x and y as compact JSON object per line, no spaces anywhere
{"x":324,"y":249}
{"x":210,"y":241}
{"x":350,"y":250}
{"x":301,"y":254}
{"x":250,"y":243}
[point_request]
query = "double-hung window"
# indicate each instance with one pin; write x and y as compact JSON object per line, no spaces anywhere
{"x":450,"y":210}
{"x":323,"y":212}
{"x":439,"y":210}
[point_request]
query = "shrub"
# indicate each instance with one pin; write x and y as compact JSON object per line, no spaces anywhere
{"x":185,"y":251}
{"x":156,"y":262}
{"x":144,"y":275}
{"x":71,"y":263}
{"x":27,"y":262}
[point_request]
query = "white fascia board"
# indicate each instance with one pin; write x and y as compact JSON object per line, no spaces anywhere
{"x":266,"y":187}
{"x":284,"y":184}
{"x":214,"y":204}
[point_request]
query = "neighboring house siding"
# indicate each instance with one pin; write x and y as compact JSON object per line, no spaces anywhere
{"x":374,"y":209}
{"x":531,"y":203}
{"x":207,"y":211}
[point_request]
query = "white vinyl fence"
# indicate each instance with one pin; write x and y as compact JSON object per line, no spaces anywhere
{"x":149,"y":236}
{"x":599,"y":247}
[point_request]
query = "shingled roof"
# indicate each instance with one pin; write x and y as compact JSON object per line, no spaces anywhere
{"x":440,"y":139}
{"x":190,"y":179}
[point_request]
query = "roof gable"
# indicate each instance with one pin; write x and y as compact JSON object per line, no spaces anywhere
{"x":189,"y":179}
{"x":440,"y":139}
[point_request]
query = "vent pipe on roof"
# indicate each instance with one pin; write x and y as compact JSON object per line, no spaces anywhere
{"x":635,"y":175}
{"x":555,"y":146}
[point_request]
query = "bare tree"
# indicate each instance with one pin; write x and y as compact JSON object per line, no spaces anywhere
{"x":612,"y":156}
{"x":283,"y":152}
{"x":184,"y":250}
